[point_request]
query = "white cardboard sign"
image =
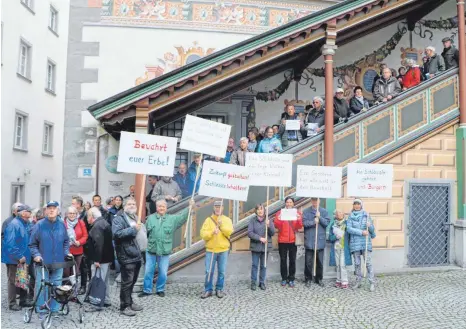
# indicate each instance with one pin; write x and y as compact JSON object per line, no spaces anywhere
{"x":205,"y":136}
{"x":370,"y":180}
{"x":293,"y":125}
{"x":289,"y":214}
{"x":318,"y":181}
{"x":221,"y":180}
{"x":269,"y":169}
{"x":146,"y":154}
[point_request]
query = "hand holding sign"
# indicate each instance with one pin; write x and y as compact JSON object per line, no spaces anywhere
{"x":293,"y":125}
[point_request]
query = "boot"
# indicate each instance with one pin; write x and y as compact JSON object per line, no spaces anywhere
{"x":128,"y":312}
{"x":253,"y":286}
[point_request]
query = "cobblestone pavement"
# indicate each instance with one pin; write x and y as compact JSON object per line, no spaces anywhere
{"x":427,"y":301}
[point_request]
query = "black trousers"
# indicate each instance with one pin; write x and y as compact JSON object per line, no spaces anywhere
{"x":11,"y":272}
{"x":287,"y":250}
{"x":129,"y":276}
{"x":85,"y":269}
{"x":309,"y":266}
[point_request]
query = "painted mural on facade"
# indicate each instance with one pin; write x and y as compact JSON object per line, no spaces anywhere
{"x":237,"y":16}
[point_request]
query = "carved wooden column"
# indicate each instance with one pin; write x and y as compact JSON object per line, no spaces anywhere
{"x":141,"y":127}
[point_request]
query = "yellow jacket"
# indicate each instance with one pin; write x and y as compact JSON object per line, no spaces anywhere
{"x":217,"y":242}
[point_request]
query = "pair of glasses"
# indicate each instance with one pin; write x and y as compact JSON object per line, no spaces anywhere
{"x":315,"y":102}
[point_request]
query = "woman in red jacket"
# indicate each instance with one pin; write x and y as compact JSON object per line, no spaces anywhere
{"x":413,"y":76}
{"x":77,"y":233}
{"x":286,"y":243}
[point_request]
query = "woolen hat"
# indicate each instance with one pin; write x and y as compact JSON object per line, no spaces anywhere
{"x":218,"y":203}
{"x":357,"y":201}
{"x":24,"y":207}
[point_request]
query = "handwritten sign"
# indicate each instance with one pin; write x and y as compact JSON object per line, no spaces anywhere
{"x":318,"y":181}
{"x":269,"y":169}
{"x":221,"y":180}
{"x":146,"y":154}
{"x":293,"y":125}
{"x":205,"y":136}
{"x":289,"y":214}
{"x":370,"y":180}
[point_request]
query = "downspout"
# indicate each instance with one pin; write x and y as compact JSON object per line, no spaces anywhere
{"x":97,"y":162}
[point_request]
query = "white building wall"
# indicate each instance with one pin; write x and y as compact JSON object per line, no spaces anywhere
{"x":30,"y":167}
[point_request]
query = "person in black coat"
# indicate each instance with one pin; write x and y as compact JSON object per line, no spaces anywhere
{"x":341,"y":107}
{"x":450,"y":54}
{"x":358,"y":102}
{"x":100,"y":247}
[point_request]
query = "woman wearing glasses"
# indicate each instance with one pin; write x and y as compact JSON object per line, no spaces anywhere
{"x":315,"y":119}
{"x":77,"y":234}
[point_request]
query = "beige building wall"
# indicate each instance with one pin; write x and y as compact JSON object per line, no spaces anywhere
{"x":433,"y":158}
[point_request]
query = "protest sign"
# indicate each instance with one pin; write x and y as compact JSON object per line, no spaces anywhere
{"x":289,"y":214}
{"x":221,"y":180}
{"x":318,"y":181}
{"x":293,"y":125}
{"x":370,"y":180}
{"x":146,"y":154}
{"x":205,"y":136}
{"x":269,"y":169}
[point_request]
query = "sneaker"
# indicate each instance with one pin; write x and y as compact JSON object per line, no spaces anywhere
{"x":283,"y":283}
{"x":206,"y":294}
{"x":82,"y":291}
{"x":344,"y":286}
{"x":15,"y":307}
{"x":372,"y":288}
{"x":160,"y":294}
{"x":220,"y":293}
{"x":291,"y":284}
{"x":143,"y":294}
{"x":253,"y":286}
{"x":262,"y":286}
{"x":135,"y":307}
{"x":128,"y":312}
{"x":338,"y":284}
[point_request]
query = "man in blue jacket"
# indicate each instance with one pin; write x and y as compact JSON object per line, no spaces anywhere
{"x":50,"y":244}
{"x":15,"y":251}
{"x":313,"y":216}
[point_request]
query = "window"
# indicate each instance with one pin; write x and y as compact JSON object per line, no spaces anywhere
{"x":29,"y":4}
{"x":17,"y":193}
{"x":216,"y":118}
{"x":44,"y":194}
{"x":175,"y":129}
{"x":24,"y":62}
{"x":20,"y":138}
{"x":47,"y":143}
{"x":50,"y":82}
{"x":53,"y":19}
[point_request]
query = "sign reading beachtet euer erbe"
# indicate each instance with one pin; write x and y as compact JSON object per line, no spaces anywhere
{"x":318,"y":181}
{"x":370,"y":180}
{"x":205,"y":136}
{"x":269,"y":169}
{"x":221,"y":180}
{"x":146,"y":154}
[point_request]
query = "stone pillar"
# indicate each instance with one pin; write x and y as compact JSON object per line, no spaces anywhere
{"x":460,"y":225}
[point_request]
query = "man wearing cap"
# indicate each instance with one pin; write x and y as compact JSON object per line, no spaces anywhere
{"x":15,"y":251}
{"x":14,"y":213}
{"x":216,"y":232}
{"x":341,"y":108}
{"x":450,"y":54}
{"x":313,"y":217}
{"x":50,"y":244}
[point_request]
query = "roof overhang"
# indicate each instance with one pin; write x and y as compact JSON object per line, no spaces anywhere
{"x":223,"y":73}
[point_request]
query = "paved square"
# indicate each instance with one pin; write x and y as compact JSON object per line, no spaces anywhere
{"x":427,"y":301}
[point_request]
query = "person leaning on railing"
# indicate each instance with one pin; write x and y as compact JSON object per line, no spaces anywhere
{"x":386,"y":88}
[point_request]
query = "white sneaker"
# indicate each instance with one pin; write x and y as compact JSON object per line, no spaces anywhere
{"x":372,"y":288}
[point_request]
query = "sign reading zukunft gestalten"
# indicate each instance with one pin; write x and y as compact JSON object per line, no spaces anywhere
{"x":146,"y":154}
{"x":205,"y":136}
{"x":221,"y":180}
{"x":269,"y":169}
{"x":370,"y":180}
{"x":318,"y":181}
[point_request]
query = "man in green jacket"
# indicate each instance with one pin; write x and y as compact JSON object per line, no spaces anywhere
{"x":160,"y":228}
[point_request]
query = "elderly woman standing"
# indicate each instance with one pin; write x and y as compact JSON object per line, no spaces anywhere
{"x":77,"y":234}
{"x":238,"y":157}
{"x":412,"y":77}
{"x":358,"y":103}
{"x":256,"y":232}
{"x":315,"y":119}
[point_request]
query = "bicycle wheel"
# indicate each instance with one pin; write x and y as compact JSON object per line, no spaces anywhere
{"x":47,"y":321}
{"x":28,"y":315}
{"x":81,"y":314}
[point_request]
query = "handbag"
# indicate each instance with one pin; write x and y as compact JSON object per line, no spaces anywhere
{"x":22,"y":276}
{"x":97,"y":289}
{"x":298,"y":236}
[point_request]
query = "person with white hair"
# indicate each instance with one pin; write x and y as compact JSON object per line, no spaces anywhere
{"x":315,"y":119}
{"x":387,"y":87}
{"x":238,"y":157}
{"x":160,"y":229}
{"x":100,"y":246}
{"x":14,"y":213}
{"x":412,"y":76}
{"x":435,"y":64}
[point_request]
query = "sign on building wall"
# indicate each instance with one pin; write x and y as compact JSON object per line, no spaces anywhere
{"x":269,"y":169}
{"x":370,"y":180}
{"x":205,"y":136}
{"x":318,"y":181}
{"x":146,"y":154}
{"x":221,"y":180}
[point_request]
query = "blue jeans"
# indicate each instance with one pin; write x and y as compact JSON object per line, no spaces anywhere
{"x":151,"y":262}
{"x":256,"y":258}
{"x":221,"y":259}
{"x":56,"y":279}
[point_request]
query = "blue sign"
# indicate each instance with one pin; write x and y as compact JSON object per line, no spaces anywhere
{"x":87,"y":172}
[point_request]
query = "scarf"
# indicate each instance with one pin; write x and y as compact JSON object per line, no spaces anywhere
{"x":341,"y":224}
{"x":141,"y":236}
{"x":360,"y":99}
{"x":357,"y":216}
{"x":252,"y":145}
{"x":70,"y":228}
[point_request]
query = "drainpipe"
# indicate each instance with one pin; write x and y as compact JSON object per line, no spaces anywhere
{"x":97,"y":162}
{"x":462,"y":62}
